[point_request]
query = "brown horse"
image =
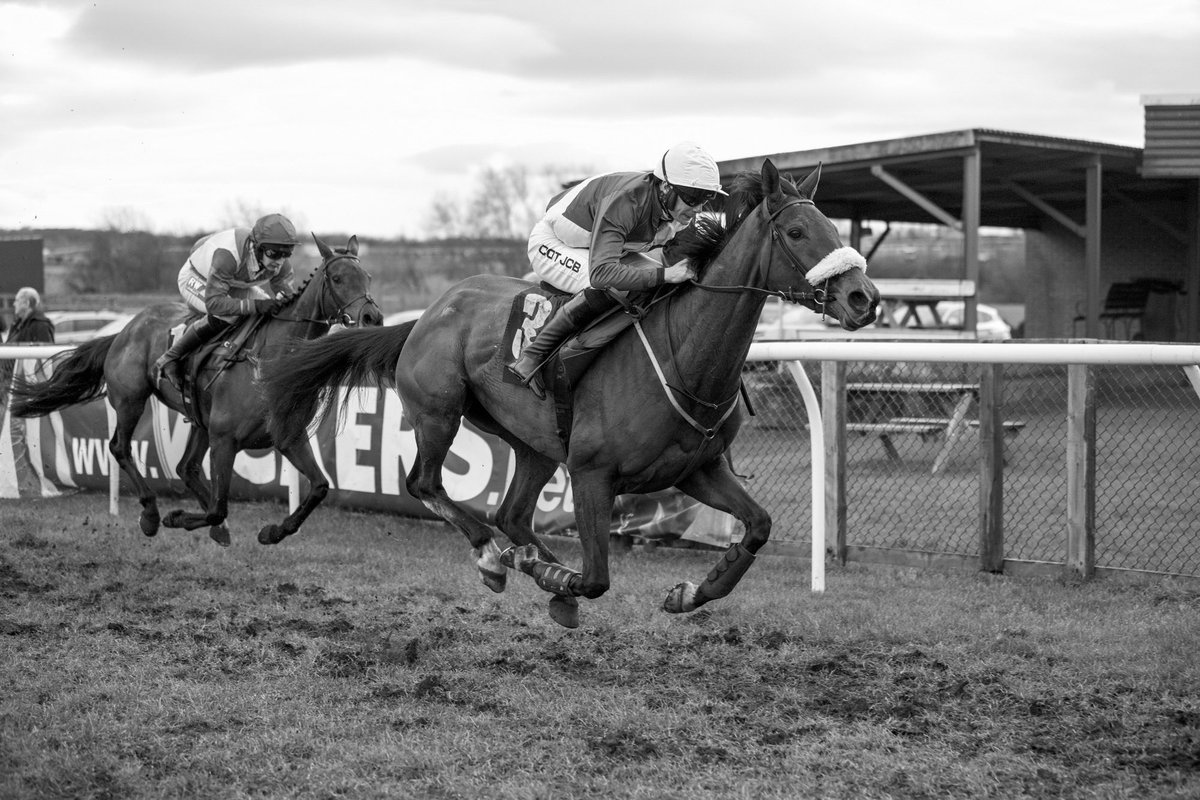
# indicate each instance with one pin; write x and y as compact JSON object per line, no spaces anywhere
{"x":657,"y":408}
{"x":231,"y":414}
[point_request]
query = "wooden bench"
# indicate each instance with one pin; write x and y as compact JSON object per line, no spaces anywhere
{"x":1011,"y":426}
{"x":923,"y":428}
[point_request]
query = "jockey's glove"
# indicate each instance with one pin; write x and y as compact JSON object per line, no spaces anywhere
{"x":267,"y":306}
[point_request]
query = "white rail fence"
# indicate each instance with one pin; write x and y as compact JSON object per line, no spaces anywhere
{"x":825,"y":431}
{"x":1071,"y":354}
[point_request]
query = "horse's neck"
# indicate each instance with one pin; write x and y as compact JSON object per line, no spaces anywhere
{"x":287,"y":326}
{"x":712,"y":331}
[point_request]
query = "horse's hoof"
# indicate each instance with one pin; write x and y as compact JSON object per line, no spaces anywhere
{"x":271,"y":534}
{"x":149,"y":525}
{"x":219,"y":534}
{"x":564,"y":611}
{"x":491,"y":567}
{"x":494,"y":581}
{"x":173,"y":519}
{"x":680,"y":599}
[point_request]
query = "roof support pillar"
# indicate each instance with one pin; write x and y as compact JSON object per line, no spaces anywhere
{"x":972,"y":180}
{"x":1192,"y":272}
{"x":1091,"y":246}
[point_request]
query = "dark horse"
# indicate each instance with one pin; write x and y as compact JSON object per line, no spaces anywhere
{"x":231,"y":414}
{"x":631,"y":433}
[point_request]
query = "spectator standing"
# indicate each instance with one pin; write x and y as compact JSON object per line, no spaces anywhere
{"x":30,"y":325}
{"x":27,"y":478}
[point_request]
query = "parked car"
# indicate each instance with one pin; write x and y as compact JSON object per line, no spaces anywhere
{"x":989,"y":325}
{"x":72,"y":327}
{"x":797,"y":322}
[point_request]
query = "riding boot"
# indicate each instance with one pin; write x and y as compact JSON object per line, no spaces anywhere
{"x":196,"y":334}
{"x":581,"y":309}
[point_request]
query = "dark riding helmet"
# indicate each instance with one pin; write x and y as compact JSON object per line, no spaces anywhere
{"x":691,"y":172}
{"x":274,"y":229}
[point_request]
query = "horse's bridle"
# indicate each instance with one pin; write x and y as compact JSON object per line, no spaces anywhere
{"x":339,"y":316}
{"x":812,"y":293}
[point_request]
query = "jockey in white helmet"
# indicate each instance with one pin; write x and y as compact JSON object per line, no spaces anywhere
{"x":606,"y":234}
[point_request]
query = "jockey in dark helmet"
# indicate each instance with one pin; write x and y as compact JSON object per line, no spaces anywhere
{"x":230,"y":274}
{"x":606,"y":234}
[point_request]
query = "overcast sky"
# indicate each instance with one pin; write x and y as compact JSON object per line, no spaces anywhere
{"x":354,"y":116}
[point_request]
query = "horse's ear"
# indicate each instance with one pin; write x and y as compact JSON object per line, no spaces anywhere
{"x":770,"y":179}
{"x":326,"y":252}
{"x":808,"y":186}
{"x":352,"y":245}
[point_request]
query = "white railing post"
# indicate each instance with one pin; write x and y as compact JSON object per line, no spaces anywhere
{"x":816,"y":433}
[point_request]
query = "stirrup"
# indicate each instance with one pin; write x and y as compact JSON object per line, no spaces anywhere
{"x":533,"y":383}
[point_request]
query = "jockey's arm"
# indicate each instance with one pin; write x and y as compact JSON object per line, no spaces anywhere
{"x":614,"y":222}
{"x":217,"y":301}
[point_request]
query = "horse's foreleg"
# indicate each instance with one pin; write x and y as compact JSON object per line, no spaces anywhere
{"x":221,"y":466}
{"x":593,"y":514}
{"x":715,"y":485}
{"x":515,"y":515}
{"x":302,"y":458}
{"x":190,"y":468}
{"x":129,"y":411}
{"x":190,"y":471}
{"x":216,"y":506}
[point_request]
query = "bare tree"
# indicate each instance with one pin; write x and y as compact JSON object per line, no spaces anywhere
{"x":504,"y":204}
{"x":124,"y":219}
{"x":242,"y":213}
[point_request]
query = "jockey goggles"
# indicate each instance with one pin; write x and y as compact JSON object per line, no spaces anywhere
{"x":693,"y":196}
{"x":277,"y":253}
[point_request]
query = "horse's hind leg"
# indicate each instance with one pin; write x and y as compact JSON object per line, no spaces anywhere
{"x":129,"y":411}
{"x":515,"y":519}
{"x":435,"y":430}
{"x":302,"y":458}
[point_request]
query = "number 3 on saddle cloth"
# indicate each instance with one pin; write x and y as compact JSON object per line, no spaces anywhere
{"x":225,"y":349}
{"x":530,"y":311}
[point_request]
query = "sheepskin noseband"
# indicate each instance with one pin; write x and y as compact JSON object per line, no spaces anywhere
{"x":837,"y":262}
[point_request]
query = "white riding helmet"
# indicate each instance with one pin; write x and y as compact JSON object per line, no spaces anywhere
{"x":687,"y":165}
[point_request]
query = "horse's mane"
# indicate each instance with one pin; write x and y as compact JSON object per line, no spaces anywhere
{"x":702,"y":241}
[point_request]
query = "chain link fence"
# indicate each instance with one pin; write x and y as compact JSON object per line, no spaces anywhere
{"x":913,"y":478}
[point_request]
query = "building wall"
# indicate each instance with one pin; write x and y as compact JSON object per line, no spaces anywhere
{"x":1131,"y":248}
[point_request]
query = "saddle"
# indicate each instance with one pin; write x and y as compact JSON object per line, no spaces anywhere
{"x":232,"y":346}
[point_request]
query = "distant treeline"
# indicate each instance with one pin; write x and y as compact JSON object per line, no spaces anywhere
{"x":409,"y":273}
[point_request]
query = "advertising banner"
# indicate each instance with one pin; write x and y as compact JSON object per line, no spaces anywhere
{"x":365,"y":453}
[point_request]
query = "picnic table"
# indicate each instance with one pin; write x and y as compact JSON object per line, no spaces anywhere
{"x":933,"y":408}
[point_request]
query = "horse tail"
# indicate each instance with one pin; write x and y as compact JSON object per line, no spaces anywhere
{"x":78,"y":377}
{"x":305,"y":381}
